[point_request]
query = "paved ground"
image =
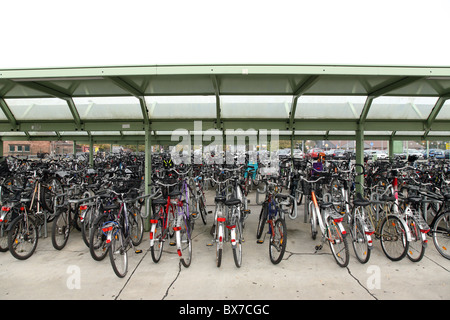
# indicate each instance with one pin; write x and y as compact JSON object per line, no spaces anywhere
{"x":303,"y":274}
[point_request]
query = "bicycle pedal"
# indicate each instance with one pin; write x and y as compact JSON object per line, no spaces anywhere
{"x":209,"y":244}
{"x":319,"y":247}
{"x":137,"y":251}
{"x":259,"y":241}
{"x":172,"y":244}
{"x":209,"y":212}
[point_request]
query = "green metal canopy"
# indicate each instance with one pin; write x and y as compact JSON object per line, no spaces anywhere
{"x":109,"y":104}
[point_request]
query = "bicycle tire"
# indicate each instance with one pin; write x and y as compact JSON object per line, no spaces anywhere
{"x":262,"y":221}
{"x":278,"y":241}
{"x":393,"y":238}
{"x":338,"y":243}
{"x":219,"y":240}
{"x":158,"y":242}
{"x":359,"y":240}
{"x":186,"y":243}
{"x":441,"y":234}
{"x":118,"y":254}
{"x":136,"y":225}
{"x":61,"y":229}
{"x":237,"y":247}
{"x":86,"y":226}
{"x":18,"y":238}
{"x":202,"y":208}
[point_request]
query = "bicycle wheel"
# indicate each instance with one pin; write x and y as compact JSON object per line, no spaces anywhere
{"x":441,"y":234}
{"x":237,"y":246}
{"x":97,"y":240}
{"x":118,"y":254}
{"x":61,"y":229}
{"x":278,"y":240}
{"x":262,"y":221}
{"x":158,"y":241}
{"x":86,"y":225}
{"x":359,"y":240}
{"x":416,"y":245}
{"x":393,"y":238}
{"x":136,"y":223}
{"x":219,"y":242}
{"x":338,"y":243}
{"x":202,"y":208}
{"x":23,"y":238}
{"x":185,"y":245}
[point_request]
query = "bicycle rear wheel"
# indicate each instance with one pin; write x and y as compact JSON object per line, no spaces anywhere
{"x":136,"y":223}
{"x":97,"y":240}
{"x":441,"y":234}
{"x":158,"y":241}
{"x":118,"y":254}
{"x":359,"y":240}
{"x":185,"y":243}
{"x":23,"y":240}
{"x":417,"y":246}
{"x":237,"y":246}
{"x":61,"y":229}
{"x":338,"y":243}
{"x":278,"y":240}
{"x":393,"y":238}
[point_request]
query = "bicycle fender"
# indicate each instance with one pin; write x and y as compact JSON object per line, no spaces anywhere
{"x":13,"y":222}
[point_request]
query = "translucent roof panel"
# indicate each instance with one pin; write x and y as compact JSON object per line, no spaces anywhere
{"x":109,"y":108}
{"x":181,"y":107}
{"x":329,"y":107}
{"x":251,"y":107}
{"x":409,"y":108}
{"x":444,"y":113}
{"x":39,"y":109}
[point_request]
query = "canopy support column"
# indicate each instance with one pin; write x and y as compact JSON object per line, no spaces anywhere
{"x":91,"y":152}
{"x":148,"y":175}
{"x":360,"y":158}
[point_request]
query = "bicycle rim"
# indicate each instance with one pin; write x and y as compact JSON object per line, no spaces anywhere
{"x":118,"y":255}
{"x":278,"y":240}
{"x":441,"y":235}
{"x":158,"y":243}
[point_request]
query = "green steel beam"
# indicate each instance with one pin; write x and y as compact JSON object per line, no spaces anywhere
{"x":120,"y":82}
{"x":218,"y":107}
{"x":301,"y":89}
{"x":9,"y":115}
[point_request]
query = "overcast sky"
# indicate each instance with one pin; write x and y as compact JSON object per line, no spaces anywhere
{"x":66,"y":33}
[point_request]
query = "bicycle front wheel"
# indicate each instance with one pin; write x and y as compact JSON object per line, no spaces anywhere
{"x":97,"y":240}
{"x":441,"y":234}
{"x":338,"y":243}
{"x":262,"y":221}
{"x":278,"y":240}
{"x":136,"y":223}
{"x":393,"y":238}
{"x":118,"y":254}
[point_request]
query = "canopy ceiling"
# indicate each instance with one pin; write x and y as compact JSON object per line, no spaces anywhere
{"x":117,"y":104}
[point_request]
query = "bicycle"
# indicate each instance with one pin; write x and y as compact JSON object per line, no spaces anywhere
{"x":329,"y":223}
{"x":123,"y":233}
{"x":273,"y":214}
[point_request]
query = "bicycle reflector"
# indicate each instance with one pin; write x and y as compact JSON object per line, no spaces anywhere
{"x":220,"y":219}
{"x":107,"y":229}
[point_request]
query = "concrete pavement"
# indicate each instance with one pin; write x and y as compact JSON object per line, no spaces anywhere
{"x":303,"y":274}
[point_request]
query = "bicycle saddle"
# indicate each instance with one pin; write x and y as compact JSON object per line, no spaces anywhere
{"x":281,"y":196}
{"x":325,"y":205}
{"x":175,"y":193}
{"x":220,"y":199}
{"x":360,"y":201}
{"x":232,"y":202}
